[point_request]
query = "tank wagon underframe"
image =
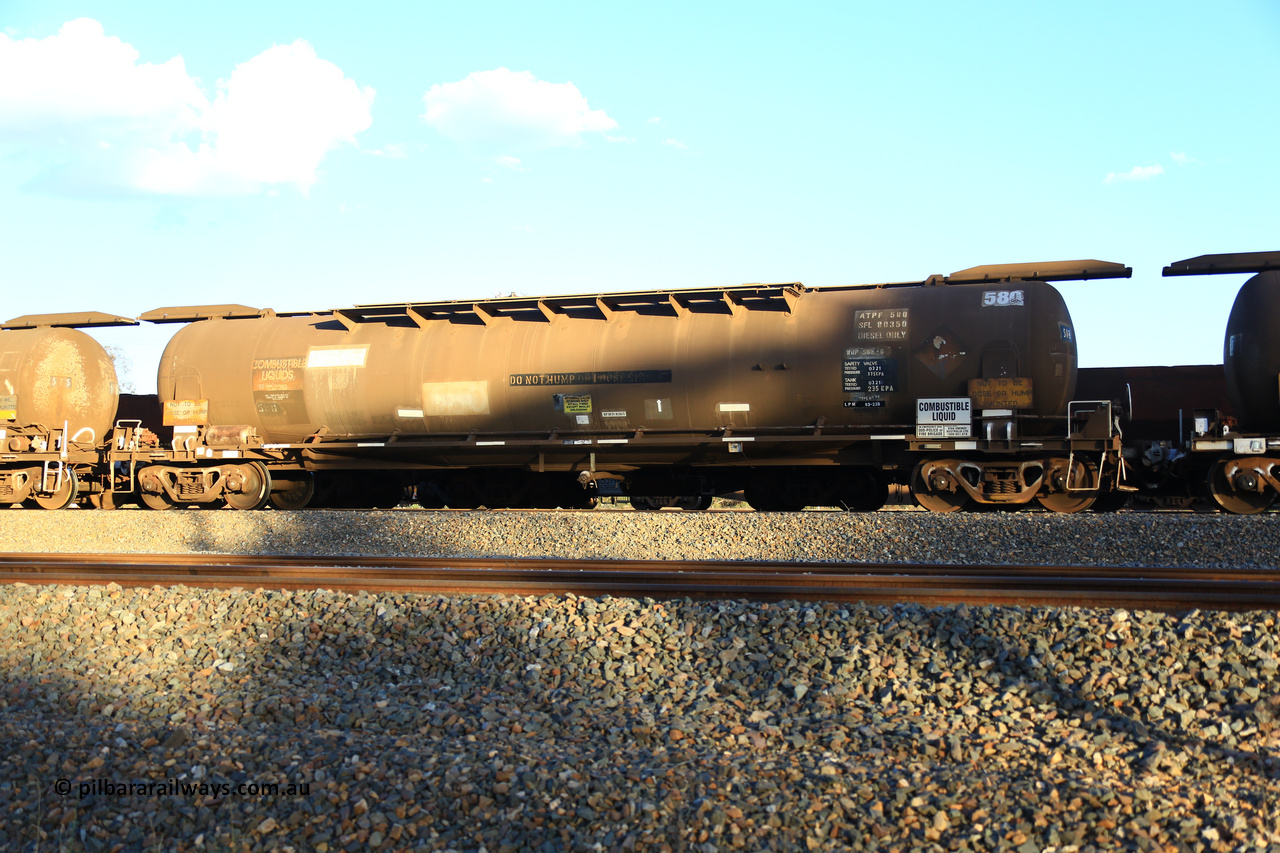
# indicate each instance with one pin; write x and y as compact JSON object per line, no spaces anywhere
{"x":854,"y":469}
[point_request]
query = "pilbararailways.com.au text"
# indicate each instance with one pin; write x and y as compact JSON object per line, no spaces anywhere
{"x":178,"y":788}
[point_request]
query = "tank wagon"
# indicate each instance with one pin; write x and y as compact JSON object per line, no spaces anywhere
{"x":1239,"y":457}
{"x":58,"y":395}
{"x":960,"y":386}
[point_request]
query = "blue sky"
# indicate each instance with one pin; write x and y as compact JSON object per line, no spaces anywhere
{"x":283,"y":155}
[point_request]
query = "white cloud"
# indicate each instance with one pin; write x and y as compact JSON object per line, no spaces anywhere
{"x":609,"y":138}
{"x":1137,"y":173}
{"x":1182,"y":159}
{"x":676,"y":143}
{"x":499,"y":112}
{"x":512,"y":163}
{"x":393,"y":150}
{"x":100,"y":122}
{"x":654,"y":120}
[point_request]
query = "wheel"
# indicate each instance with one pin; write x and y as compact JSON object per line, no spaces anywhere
{"x":644,"y":504}
{"x":66,"y":493}
{"x":1068,"y":502}
{"x":157,"y":501}
{"x":297,"y":493}
{"x":938,"y":499}
{"x":694,"y":503}
{"x":771,"y":495}
{"x":1233,"y":496}
{"x":151,"y":488}
{"x":254,"y":487}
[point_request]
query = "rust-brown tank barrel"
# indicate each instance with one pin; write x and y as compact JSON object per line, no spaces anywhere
{"x":750,"y":357}
{"x":55,"y":376}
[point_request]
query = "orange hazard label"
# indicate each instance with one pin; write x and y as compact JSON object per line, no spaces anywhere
{"x":1008,"y":393}
{"x":186,"y":412}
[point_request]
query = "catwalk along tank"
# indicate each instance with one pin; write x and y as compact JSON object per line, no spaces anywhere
{"x":748,"y":358}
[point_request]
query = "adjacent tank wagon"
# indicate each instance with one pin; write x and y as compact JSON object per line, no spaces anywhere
{"x":58,"y":395}
{"x":1242,"y":453}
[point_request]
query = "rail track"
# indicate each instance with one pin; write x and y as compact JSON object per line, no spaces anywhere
{"x":1167,"y":588}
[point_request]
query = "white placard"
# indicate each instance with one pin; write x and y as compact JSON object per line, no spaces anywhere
{"x":337,"y":356}
{"x":944,"y":417}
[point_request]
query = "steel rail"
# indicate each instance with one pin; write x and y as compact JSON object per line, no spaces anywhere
{"x":1164,"y":588}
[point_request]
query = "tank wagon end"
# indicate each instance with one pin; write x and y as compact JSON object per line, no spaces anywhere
{"x":1239,"y":457}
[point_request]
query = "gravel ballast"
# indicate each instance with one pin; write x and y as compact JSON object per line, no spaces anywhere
{"x":1118,"y":539}
{"x":510,"y":723}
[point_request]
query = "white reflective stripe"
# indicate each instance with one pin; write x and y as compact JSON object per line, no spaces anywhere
{"x":488,"y":443}
{"x":888,"y":437}
{"x":337,"y":356}
{"x":733,"y":407}
{"x":371,"y":444}
{"x":614,"y":440}
{"x":739,"y":438}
